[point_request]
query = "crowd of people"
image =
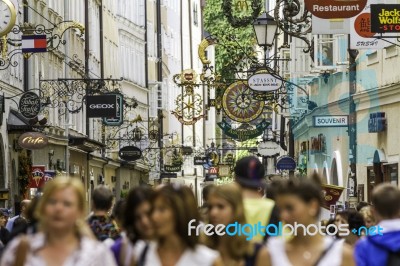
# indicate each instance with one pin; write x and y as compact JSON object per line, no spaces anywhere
{"x":150,"y":227}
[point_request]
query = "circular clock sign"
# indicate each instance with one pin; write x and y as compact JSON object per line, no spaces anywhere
{"x":29,"y":105}
{"x":329,"y":9}
{"x":239,"y":105}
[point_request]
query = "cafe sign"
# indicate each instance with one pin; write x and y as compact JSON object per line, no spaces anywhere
{"x":29,"y":105}
{"x":33,"y":141}
{"x":331,"y":9}
{"x":243,"y":134}
{"x":264,"y":82}
{"x":385,"y":18}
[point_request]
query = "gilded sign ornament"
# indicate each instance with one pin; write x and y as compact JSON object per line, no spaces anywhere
{"x":239,"y":105}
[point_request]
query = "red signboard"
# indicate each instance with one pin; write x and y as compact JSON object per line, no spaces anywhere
{"x":331,"y":195}
{"x":330,"y":9}
{"x":37,"y":178}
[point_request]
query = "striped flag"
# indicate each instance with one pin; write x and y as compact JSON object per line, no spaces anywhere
{"x":34,"y":44}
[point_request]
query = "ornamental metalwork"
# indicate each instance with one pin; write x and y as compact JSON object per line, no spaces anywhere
{"x":54,"y":38}
{"x":189,"y":105}
{"x":69,"y":95}
{"x":295,"y":21}
{"x":241,"y":7}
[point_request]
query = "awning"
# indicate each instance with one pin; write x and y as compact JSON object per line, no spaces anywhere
{"x":379,"y":157}
{"x":16,"y":122}
{"x":84,"y":143}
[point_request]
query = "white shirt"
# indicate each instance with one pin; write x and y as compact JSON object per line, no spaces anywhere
{"x":90,"y":253}
{"x":200,"y":256}
{"x":277,"y":252}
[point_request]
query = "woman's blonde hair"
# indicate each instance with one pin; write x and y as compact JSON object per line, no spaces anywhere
{"x":60,"y":183}
{"x":237,"y":246}
{"x":366,"y":213}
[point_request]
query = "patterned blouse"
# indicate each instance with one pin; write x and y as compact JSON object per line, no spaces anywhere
{"x":90,"y":253}
{"x":103,"y":227}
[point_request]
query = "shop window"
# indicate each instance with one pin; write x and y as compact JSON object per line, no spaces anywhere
{"x":391,"y":174}
{"x":375,"y":177}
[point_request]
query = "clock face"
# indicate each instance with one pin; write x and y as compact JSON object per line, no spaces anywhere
{"x":7,"y":17}
{"x":239,"y":105}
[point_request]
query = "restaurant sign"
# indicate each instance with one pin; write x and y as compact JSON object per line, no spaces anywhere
{"x":243,"y":134}
{"x":33,"y":141}
{"x":264,"y":82}
{"x":385,"y":18}
{"x":331,"y":121}
{"x":329,"y":9}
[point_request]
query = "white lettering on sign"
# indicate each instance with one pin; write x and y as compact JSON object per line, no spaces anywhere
{"x":331,"y":121}
{"x":332,"y":8}
{"x":102,"y":106}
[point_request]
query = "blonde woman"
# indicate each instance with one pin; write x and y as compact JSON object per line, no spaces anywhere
{"x":368,"y":217}
{"x":63,"y":237}
{"x":225,"y":205}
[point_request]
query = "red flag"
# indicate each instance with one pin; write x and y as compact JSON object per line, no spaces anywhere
{"x":37,"y":176}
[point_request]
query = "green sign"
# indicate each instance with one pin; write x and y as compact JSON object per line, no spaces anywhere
{"x":243,"y":134}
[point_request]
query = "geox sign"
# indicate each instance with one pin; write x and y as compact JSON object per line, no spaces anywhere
{"x":101,"y":105}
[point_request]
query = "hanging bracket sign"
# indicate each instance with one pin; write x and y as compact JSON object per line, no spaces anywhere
{"x":243,"y":135}
{"x":264,"y":82}
{"x":385,"y":18}
{"x":33,"y":141}
{"x":29,"y":105}
{"x":329,"y":9}
{"x":286,"y":163}
{"x":130,"y":153}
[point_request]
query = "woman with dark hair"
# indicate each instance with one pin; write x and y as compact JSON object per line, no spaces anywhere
{"x":299,"y":202}
{"x":174,"y":207}
{"x":134,"y":217}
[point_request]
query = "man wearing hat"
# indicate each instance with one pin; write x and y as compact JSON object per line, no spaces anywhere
{"x":249,"y":174}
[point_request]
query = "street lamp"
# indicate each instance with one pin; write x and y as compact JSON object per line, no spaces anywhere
{"x":265,"y":28}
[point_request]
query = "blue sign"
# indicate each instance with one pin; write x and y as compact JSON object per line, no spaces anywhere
{"x":286,"y":163}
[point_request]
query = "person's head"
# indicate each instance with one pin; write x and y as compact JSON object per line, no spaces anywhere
{"x":249,"y":174}
{"x":118,"y":212}
{"x":355,"y":220}
{"x":341,"y":217}
{"x":361,"y":205}
{"x":24,"y":206}
{"x":137,"y":222}
{"x":225,"y":205}
{"x":102,"y":198}
{"x":385,"y":202}
{"x":62,"y":206}
{"x":174,"y":206}
{"x":299,"y":200}
{"x":368,"y":217}
{"x":206,"y":192}
{"x":3,"y":219}
{"x":19,"y":223}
